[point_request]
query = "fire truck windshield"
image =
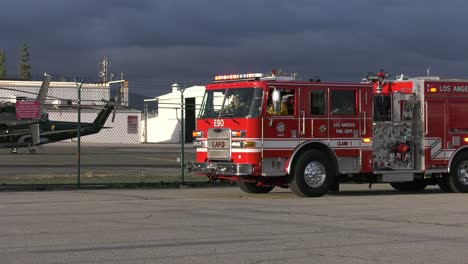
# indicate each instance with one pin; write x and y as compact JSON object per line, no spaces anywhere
{"x":238,"y":102}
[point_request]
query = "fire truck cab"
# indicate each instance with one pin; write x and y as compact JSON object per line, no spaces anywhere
{"x":267,"y":130}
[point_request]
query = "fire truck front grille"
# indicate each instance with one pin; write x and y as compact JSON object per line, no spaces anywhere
{"x":219,"y":144}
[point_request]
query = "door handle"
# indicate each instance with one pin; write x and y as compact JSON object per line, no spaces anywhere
{"x":365,"y":123}
{"x":426,"y":125}
{"x":312,"y":128}
{"x":303,"y":123}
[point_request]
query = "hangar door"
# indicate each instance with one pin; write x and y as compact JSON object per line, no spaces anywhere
{"x":189,"y":118}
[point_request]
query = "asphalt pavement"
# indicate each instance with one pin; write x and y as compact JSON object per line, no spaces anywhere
{"x":99,"y":163}
{"x":225,"y":225}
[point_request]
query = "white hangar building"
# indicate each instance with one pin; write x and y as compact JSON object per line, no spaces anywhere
{"x":163,"y":113}
{"x":126,"y":126}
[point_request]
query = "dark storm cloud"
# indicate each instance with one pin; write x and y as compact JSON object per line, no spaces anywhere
{"x":159,"y":42}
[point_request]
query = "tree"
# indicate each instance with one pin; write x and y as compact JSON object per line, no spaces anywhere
{"x":3,"y":72}
{"x":24,"y":67}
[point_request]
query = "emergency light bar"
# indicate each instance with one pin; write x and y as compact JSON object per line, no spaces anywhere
{"x":236,"y":77}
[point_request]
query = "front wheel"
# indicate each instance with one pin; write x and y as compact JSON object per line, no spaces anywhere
{"x":251,"y":187}
{"x":444,"y":184}
{"x":313,"y":174}
{"x":414,"y":186}
{"x":458,"y":178}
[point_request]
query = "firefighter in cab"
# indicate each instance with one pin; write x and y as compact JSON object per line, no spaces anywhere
{"x":237,"y":105}
{"x":286,"y":106}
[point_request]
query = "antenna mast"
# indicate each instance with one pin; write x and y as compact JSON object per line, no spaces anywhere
{"x":104,"y":69}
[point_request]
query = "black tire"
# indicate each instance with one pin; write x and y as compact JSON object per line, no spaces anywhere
{"x":313,"y":174}
{"x":251,"y":187}
{"x":458,"y":177}
{"x":414,"y":186}
{"x":444,"y":185}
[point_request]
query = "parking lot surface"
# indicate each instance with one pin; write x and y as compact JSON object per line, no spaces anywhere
{"x":225,"y":225}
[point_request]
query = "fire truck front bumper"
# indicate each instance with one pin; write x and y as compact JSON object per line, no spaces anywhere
{"x":220,"y":168}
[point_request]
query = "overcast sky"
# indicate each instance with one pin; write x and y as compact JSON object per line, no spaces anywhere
{"x":156,"y":43}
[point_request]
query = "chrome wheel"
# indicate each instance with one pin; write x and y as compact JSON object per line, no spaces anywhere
{"x":462,"y":172}
{"x":315,"y":174}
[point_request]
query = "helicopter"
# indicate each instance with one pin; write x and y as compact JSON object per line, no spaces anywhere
{"x":29,"y":133}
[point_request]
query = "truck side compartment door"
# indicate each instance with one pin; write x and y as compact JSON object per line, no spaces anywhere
{"x":435,"y":131}
{"x":345,"y":127}
{"x":365,"y":109}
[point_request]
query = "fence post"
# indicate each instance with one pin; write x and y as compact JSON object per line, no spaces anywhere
{"x":182,"y":134}
{"x":78,"y":135}
{"x":146,"y":121}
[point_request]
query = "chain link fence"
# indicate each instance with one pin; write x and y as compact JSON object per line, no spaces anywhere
{"x":106,"y":163}
{"x":113,"y":156}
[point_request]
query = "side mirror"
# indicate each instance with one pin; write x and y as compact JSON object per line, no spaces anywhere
{"x":276,"y":100}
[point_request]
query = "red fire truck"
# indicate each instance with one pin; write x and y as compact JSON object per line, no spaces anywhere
{"x":267,"y":130}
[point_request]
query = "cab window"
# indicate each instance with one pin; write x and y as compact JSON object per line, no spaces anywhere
{"x":286,"y":105}
{"x":343,"y":103}
{"x":317,"y":102}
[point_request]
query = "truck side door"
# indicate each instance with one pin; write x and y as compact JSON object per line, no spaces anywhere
{"x":315,"y":104}
{"x":281,"y":131}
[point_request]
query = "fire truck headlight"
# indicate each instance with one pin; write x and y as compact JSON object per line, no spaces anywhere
{"x":197,"y":134}
{"x":236,"y":144}
{"x":465,"y":139}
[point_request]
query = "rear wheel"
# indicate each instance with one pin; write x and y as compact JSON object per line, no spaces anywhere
{"x":313,"y":174}
{"x":251,"y":187}
{"x":414,"y":186}
{"x":458,"y":178}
